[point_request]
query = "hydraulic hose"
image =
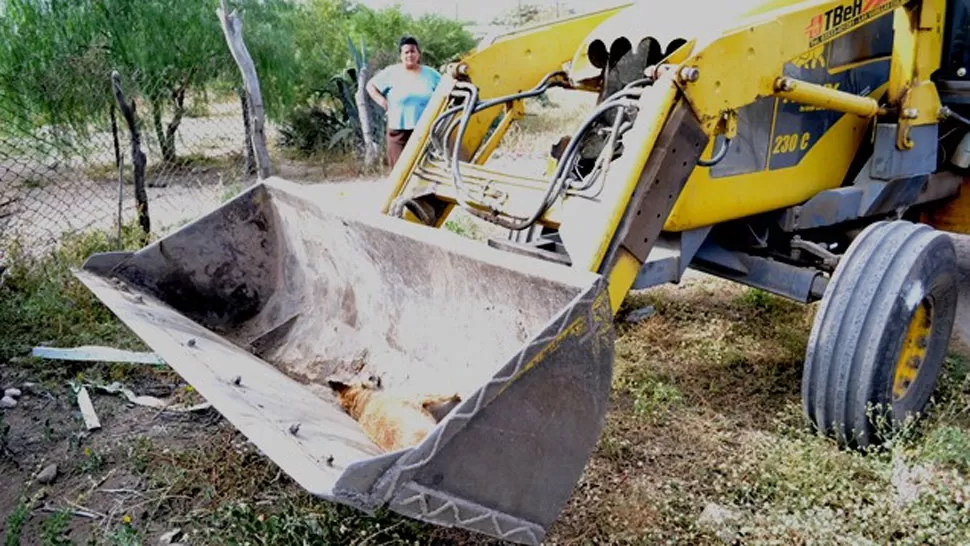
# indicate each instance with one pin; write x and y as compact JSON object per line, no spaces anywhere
{"x":558,"y":184}
{"x":561,"y":181}
{"x":448,"y":114}
{"x":718,"y":157}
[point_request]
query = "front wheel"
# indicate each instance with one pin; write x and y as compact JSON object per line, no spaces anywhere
{"x":881,"y":333}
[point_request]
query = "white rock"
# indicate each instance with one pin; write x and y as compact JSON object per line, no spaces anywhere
{"x":12,"y":393}
{"x":6,"y":402}
{"x":722,"y":521}
{"x":48,"y":474}
{"x":169,"y":538}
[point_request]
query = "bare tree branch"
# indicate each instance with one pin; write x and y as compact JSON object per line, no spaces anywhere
{"x":232,"y":29}
{"x":138,"y":157}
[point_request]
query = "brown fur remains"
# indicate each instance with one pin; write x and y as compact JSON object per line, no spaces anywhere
{"x":392,"y":422}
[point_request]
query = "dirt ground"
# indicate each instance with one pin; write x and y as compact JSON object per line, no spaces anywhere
{"x":97,"y":482}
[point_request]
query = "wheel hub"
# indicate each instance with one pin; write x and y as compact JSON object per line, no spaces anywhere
{"x":913,"y":351}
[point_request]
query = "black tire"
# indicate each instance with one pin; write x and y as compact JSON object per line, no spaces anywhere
{"x":888,"y":272}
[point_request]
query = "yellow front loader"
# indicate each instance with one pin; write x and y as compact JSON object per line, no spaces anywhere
{"x":815,"y":149}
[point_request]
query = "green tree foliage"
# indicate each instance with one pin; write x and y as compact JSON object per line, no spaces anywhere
{"x":333,"y":34}
{"x":56,"y":57}
{"x":169,"y":47}
{"x":48,"y":53}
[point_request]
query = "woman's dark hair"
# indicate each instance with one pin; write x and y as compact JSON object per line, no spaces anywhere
{"x":408,"y":40}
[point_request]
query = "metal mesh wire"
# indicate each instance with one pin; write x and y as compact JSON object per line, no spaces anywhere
{"x":57,"y":181}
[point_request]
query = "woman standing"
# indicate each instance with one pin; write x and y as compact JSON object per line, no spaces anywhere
{"x":403,"y":90}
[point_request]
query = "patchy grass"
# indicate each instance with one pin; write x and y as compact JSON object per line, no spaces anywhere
{"x":200,"y":488}
{"x":15,"y":522}
{"x":548,"y":120}
{"x":42,"y":303}
{"x":159,"y":171}
{"x":54,"y":529}
{"x":734,"y":436}
{"x":464,"y":225}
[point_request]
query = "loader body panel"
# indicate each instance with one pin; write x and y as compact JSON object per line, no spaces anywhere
{"x":786,"y":152}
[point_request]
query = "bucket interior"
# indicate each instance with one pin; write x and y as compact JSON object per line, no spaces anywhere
{"x":318,"y":292}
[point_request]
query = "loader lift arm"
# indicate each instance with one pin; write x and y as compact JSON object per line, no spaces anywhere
{"x":689,"y":97}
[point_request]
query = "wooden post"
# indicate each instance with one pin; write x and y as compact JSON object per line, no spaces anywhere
{"x":232,"y":29}
{"x":137,"y":156}
{"x":366,"y":119}
{"x":248,"y":130}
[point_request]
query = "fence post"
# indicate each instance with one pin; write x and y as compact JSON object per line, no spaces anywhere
{"x":364,"y":110}
{"x":137,"y":156}
{"x":232,"y":29}
{"x":248,"y":130}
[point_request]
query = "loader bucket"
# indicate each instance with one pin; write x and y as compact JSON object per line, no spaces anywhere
{"x":257,"y":303}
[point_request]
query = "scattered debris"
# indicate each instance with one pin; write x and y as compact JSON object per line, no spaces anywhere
{"x":640,"y":314}
{"x":48,"y":474}
{"x":722,"y":521}
{"x":87,"y":409}
{"x":12,"y":393}
{"x":93,"y":353}
{"x":79,"y":513}
{"x":170,"y":537}
{"x":150,"y":401}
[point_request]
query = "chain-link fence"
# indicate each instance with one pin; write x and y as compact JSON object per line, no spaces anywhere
{"x":66,"y":158}
{"x":58,"y":181}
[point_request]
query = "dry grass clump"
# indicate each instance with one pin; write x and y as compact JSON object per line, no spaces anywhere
{"x":706,"y":410}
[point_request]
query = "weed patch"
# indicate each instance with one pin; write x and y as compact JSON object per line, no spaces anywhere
{"x":15,"y":522}
{"x":42,"y":303}
{"x":54,"y":529}
{"x":464,"y":226}
{"x":124,"y":535}
{"x":309,"y":523}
